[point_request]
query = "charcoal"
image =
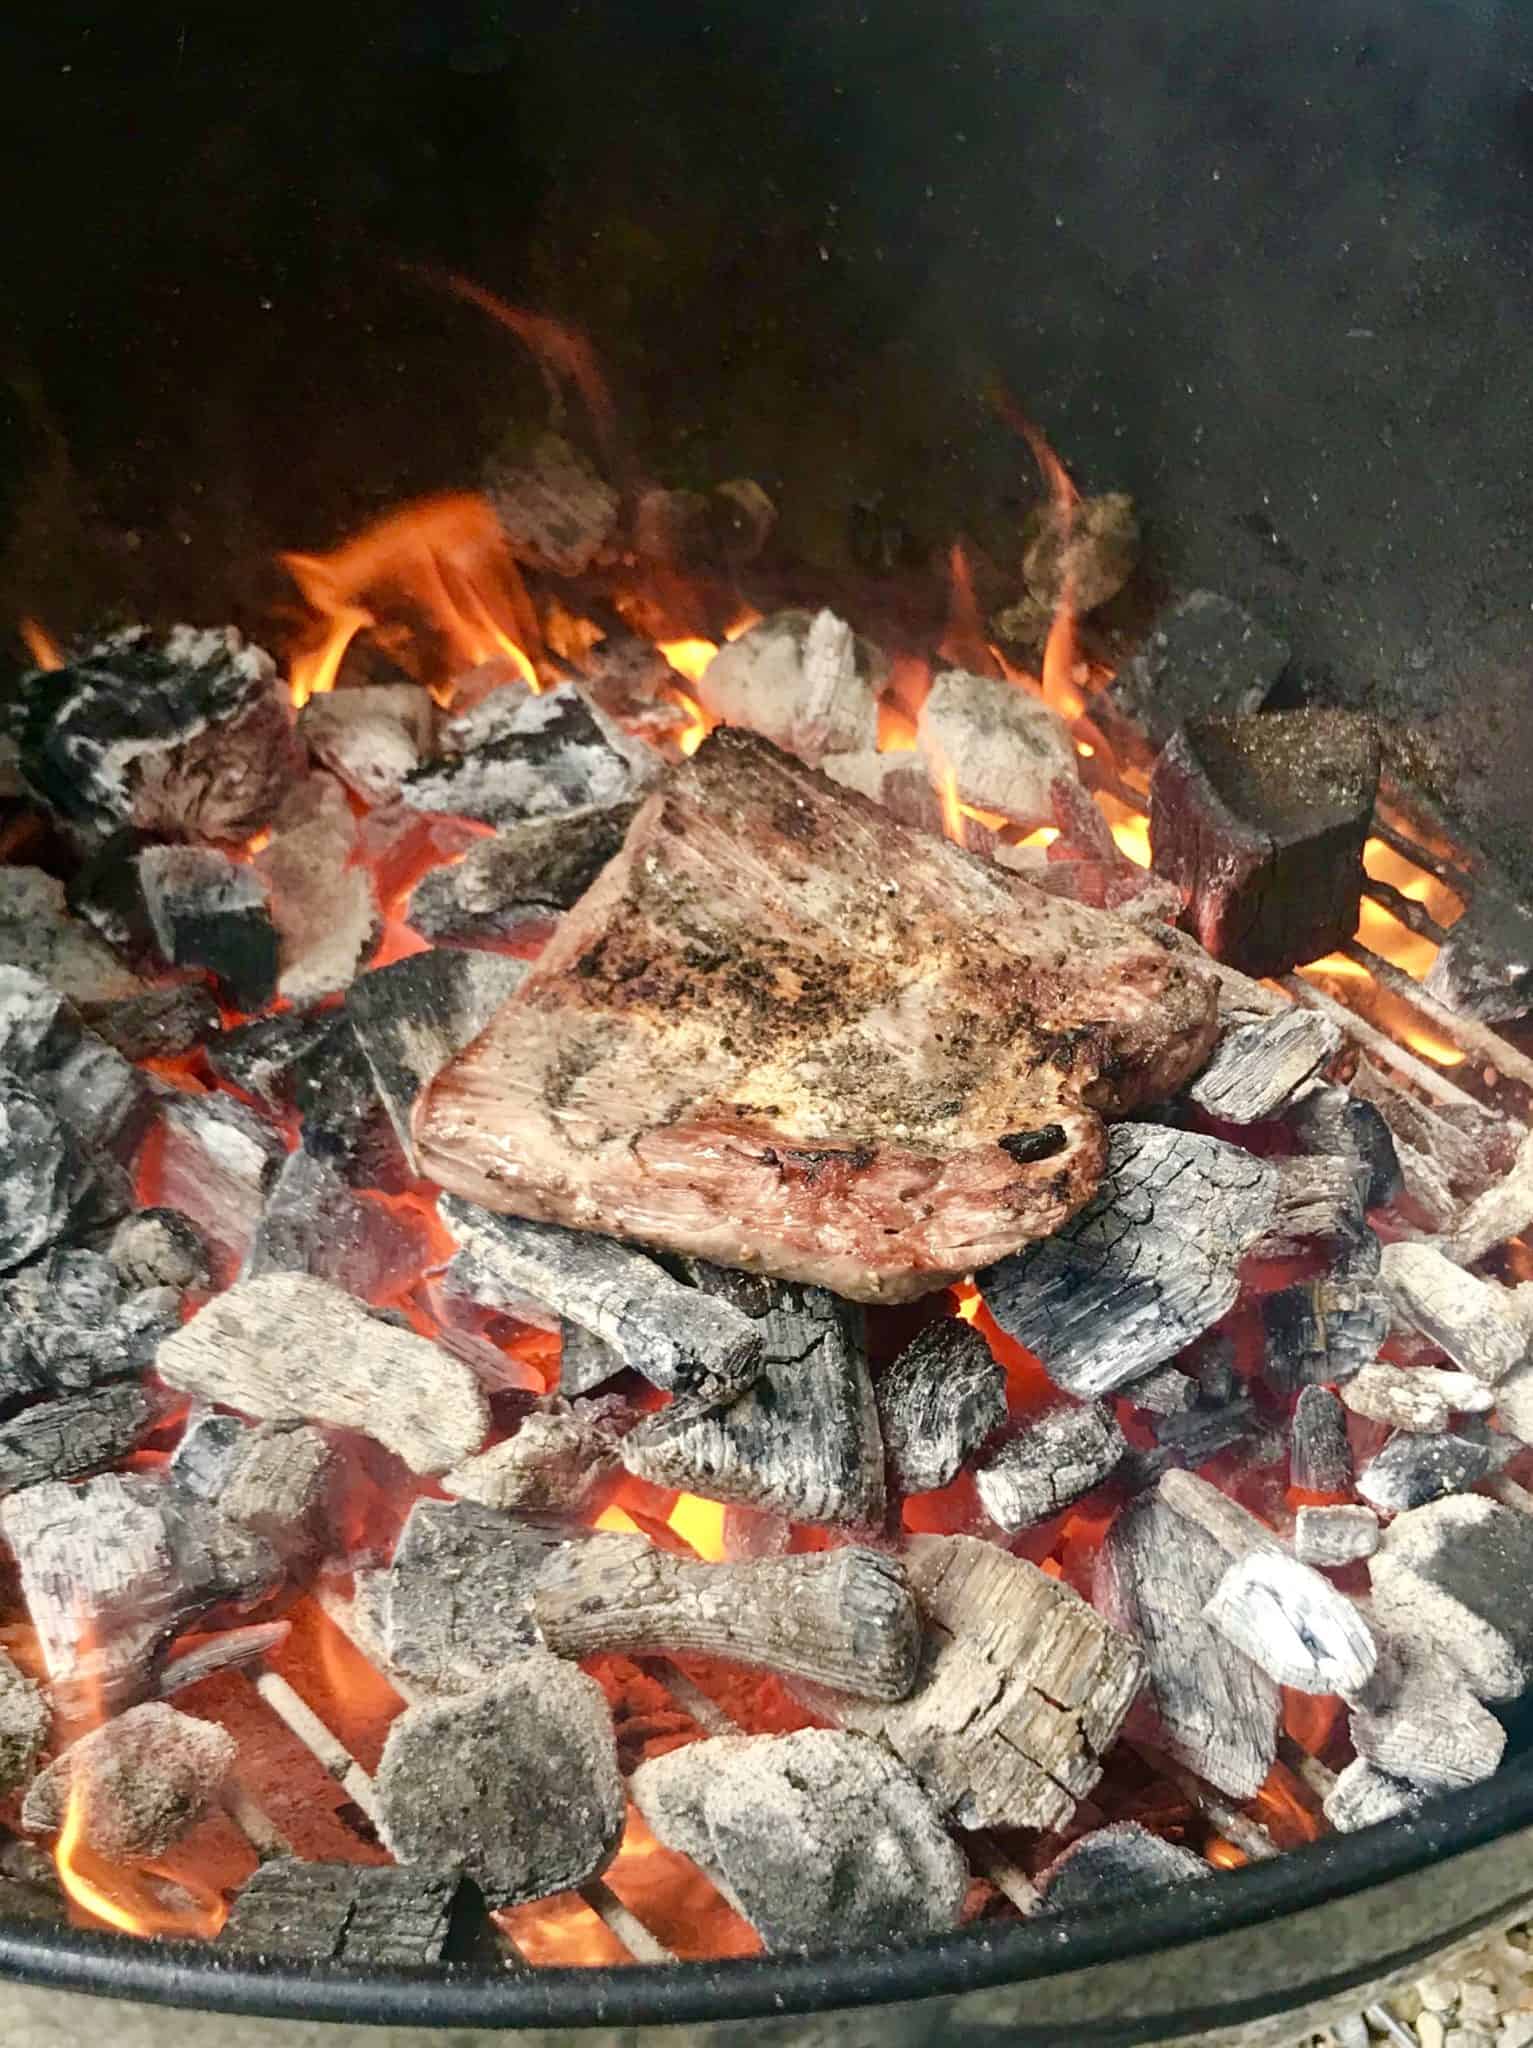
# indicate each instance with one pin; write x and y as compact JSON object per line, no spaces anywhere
{"x":1329,"y":1327}
{"x":290,"y":1349}
{"x":106,"y":891}
{"x":1119,"y":1865}
{"x":188,"y":736}
{"x":720,"y":530}
{"x":374,"y":1915}
{"x":25,"y":1719}
{"x":1484,"y":968}
{"x":277,"y":1485}
{"x":842,"y":1618}
{"x":1191,"y":1439}
{"x":803,"y":1441}
{"x":1418,"y":1720}
{"x":901,"y":783}
{"x":216,"y":1558}
{"x":1293,"y":1623}
{"x":411,"y":1018}
{"x":66,"y":1325}
{"x":1052,"y":1462}
{"x":1259,"y":1066}
{"x":516,"y":756}
{"x":1317,"y":1197}
{"x":1320,"y":1458}
{"x":1206,"y":656}
{"x":217,"y":1160}
{"x":1021,"y":1690}
{"x":1217,"y":1711}
{"x":101,"y":1099}
{"x":1149,"y":1264}
{"x":47,"y":1187}
{"x":633,"y":683}
{"x":554,"y":510}
{"x":1079,"y":552}
{"x":344,"y":1118}
{"x":803,"y":680}
{"x":372,"y":737}
{"x":814,"y":1837}
{"x":520,"y":878}
{"x":1003,"y":748}
{"x":1238,"y":1532}
{"x":231,"y":1649}
{"x":38,"y":934}
{"x":682,"y":1339}
{"x":209,"y":912}
{"x":1330,"y":1536}
{"x":516,"y":1783}
{"x":1363,"y":1796}
{"x":323,"y":906}
{"x":1411,"y":1470}
{"x":937,"y":1403}
{"x":1452,"y":1578}
{"x":585,"y":1362}
{"x":552,"y":1465}
{"x":263,"y":1058}
{"x":159,"y":1248}
{"x":314,"y":1223}
{"x":68,"y":1438}
{"x":203,"y":1459}
{"x":1335,"y":1120}
{"x":1165,"y":1391}
{"x":1260,"y":822}
{"x":1468,"y":1318}
{"x":1504,"y":1210}
{"x":158,"y":1025}
{"x":1418,"y":1398}
{"x":141,"y":1781}
{"x":455,"y":1605}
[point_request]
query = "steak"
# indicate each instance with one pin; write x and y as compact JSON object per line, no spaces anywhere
{"x":789,"y":1034}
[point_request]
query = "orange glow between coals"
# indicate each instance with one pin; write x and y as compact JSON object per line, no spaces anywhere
{"x":689,"y":658}
{"x":41,"y":645}
{"x":700,"y":1523}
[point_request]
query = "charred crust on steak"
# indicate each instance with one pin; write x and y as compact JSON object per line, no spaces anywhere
{"x":1027,"y":1146}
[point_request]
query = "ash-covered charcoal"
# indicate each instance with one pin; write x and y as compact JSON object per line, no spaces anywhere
{"x":1234,"y":1528}
{"x":522,"y":877}
{"x":803,"y":1441}
{"x":323,"y":903}
{"x":585,"y":1362}
{"x":682,"y":1339}
{"x":1151,"y":1262}
{"x":937,"y":1403}
{"x":1317,"y":1197}
{"x":1005,"y":750}
{"x":1206,"y":656}
{"x":411,"y":1017}
{"x":516,"y":1783}
{"x":67,"y":1439}
{"x":217,"y":1160}
{"x":374,"y":1915}
{"x":288,"y":1348}
{"x":455,"y":1605}
{"x":314,"y":1223}
{"x":1260,"y":1066}
{"x":277,"y":1486}
{"x":554,"y":510}
{"x":1329,"y":1327}
{"x":803,"y":680}
{"x":66,"y":1325}
{"x":263,"y":1058}
{"x":38,"y":934}
{"x":102,"y":1099}
{"x":720,"y":529}
{"x":1362,"y":1796}
{"x":901,"y":783}
{"x":814,"y":1837}
{"x":1468,"y":1318}
{"x":372,"y":737}
{"x":516,"y":756}
{"x":1484,"y":967}
{"x":1116,"y":1866}
{"x":47,"y":1186}
{"x":843,"y":1618}
{"x":188,"y":736}
{"x":1260,"y":822}
{"x":1418,"y":1720}
{"x":1021,"y":1690}
{"x":553,"y":1463}
{"x":344,"y":1119}
{"x":1293,"y":1623}
{"x":1452,"y":1579}
{"x":203,"y":1459}
{"x":1334,"y":1120}
{"x":1192,"y":1438}
{"x":210,"y":912}
{"x":25,"y":1719}
{"x":1411,"y":1470}
{"x":1418,"y":1397}
{"x":158,"y":1248}
{"x":1049,"y":1464}
{"x":141,"y":1781}
{"x":1165,"y":1391}
{"x":1331,"y":1536}
{"x":1217,"y":1711}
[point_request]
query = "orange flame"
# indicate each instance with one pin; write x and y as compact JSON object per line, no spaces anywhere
{"x":700,"y":1523}
{"x":689,"y":658}
{"x":41,"y":645}
{"x":132,"y":1901}
{"x":945,"y":782}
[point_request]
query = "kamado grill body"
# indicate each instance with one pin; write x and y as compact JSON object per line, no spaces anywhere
{"x":1257,"y":270}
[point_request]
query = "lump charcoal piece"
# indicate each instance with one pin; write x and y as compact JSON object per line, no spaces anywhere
{"x":517,"y":756}
{"x":106,"y":891}
{"x":455,"y":1605}
{"x":1021,"y":1690}
{"x":160,"y":1248}
{"x":1258,"y":1067}
{"x":1484,"y":967}
{"x":516,"y":1783}
{"x":803,"y":680}
{"x":1118,"y":1865}
{"x":524,"y":875}
{"x":217,"y":1160}
{"x":1335,"y":1120}
{"x":68,"y":1438}
{"x":1151,"y":1262}
{"x":1417,"y":1397}
{"x":1238,"y":1532}
{"x":1081,"y":554}
{"x":803,"y":1441}
{"x":25,"y":1720}
{"x":554,"y":510}
{"x":1260,"y":822}
{"x":203,"y":1459}
{"x":721,"y":530}
{"x":378,"y":1915}
{"x":290,"y":1349}
{"x":1192,"y":1438}
{"x":1411,"y":1470}
{"x":937,"y":1403}
{"x":314,"y":1223}
{"x":1329,"y":1327}
{"x":1053,"y":1462}
{"x":1331,"y":1536}
{"x":160,"y":1024}
{"x":1470,"y":1319}
{"x":102,"y":1100}
{"x":634,"y":684}
{"x":1165,"y":1391}
{"x":585,"y":1362}
{"x":1294,"y":1624}
{"x":814,"y":1837}
{"x":323,"y":905}
{"x":1363,"y":1796}
{"x":1317,"y":1197}
{"x":65,"y":1325}
{"x":844,"y":1618}
{"x":211,"y":913}
{"x":412,"y":1017}
{"x":1419,"y":1721}
{"x":144,"y":1779}
{"x":1206,"y":655}
{"x":188,"y":736}
{"x":551,"y":1465}
{"x":747,"y":948}
{"x":263,"y":1058}
{"x":1005,"y":749}
{"x":681,"y":1339}
{"x":372,"y":737}
{"x":38,"y":934}
{"x":46,"y":1186}
{"x":277,"y":1485}
{"x":344,"y":1119}
{"x":1217,"y":1711}
{"x":1452,"y":1577}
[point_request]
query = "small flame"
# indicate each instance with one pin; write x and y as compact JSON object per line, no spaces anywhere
{"x":964,"y":641}
{"x":1385,"y":865}
{"x":1061,"y":692}
{"x":945,"y":782}
{"x":1131,"y":835}
{"x":1224,"y":1855}
{"x":689,"y":658}
{"x":699,"y":724}
{"x":700,"y":1523}
{"x":132,"y":1901}
{"x":1393,"y":941}
{"x":968,"y":1299}
{"x":41,"y":645}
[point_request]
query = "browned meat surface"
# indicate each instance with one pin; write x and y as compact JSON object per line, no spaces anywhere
{"x":785,"y":1032}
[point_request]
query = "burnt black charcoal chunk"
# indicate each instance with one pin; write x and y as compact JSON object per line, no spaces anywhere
{"x":264,"y":1058}
{"x":1412,"y":1470}
{"x":102,"y":1099}
{"x":1202,"y":1433}
{"x":210,"y":912}
{"x":1026,"y":1146}
{"x":1485,"y":966}
{"x":516,"y":756}
{"x":206,"y":1455}
{"x":1335,"y":1120}
{"x":526,"y":874}
{"x":46,"y":1186}
{"x":1329,"y":1327}
{"x":106,"y":892}
{"x":332,"y":1912}
{"x":343,"y":1116}
{"x":36,"y":932}
{"x":937,"y":1403}
{"x":1320,"y":1457}
{"x":161,"y":1248}
{"x":1206,"y":655}
{"x":67,"y":1439}
{"x":160,"y":1024}
{"x":1116,"y":1866}
{"x":456,"y":1603}
{"x":38,"y":1025}
{"x":67,"y":1323}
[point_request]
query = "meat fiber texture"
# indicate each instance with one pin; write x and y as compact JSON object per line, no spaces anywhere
{"x":786,"y":1033}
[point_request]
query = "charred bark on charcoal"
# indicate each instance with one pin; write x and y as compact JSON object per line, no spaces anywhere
{"x":1320,"y":1457}
{"x":937,"y":1403}
{"x":1260,"y":1066}
{"x":516,"y":756}
{"x":1260,"y":822}
{"x":1332,"y":1536}
{"x":372,"y":737}
{"x":141,"y":1781}
{"x":314,"y":1223}
{"x":161,"y":1024}
{"x":1049,"y":1464}
{"x":1411,"y":1470}
{"x":1207,"y":656}
{"x":1294,"y":1624}
{"x":375,"y":1916}
{"x":1003,"y":748}
{"x":1330,"y":1327}
{"x":38,"y":934}
{"x":208,"y":912}
{"x":264,"y":1058}
{"x":66,"y":1325}
{"x":1466,"y":1317}
{"x":455,"y":1604}
{"x":1336,"y":1121}
{"x":803,"y":680}
{"x":525,"y":875}
{"x":69,"y":1438}
{"x":1419,"y":1398}
{"x":1119,"y":1865}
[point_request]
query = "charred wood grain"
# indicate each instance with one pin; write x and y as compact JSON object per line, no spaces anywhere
{"x":937,"y":1403}
{"x":1049,"y":1464}
{"x":378,"y":1916}
{"x":1259,"y":1066}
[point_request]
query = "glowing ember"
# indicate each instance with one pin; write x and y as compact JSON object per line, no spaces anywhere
{"x":618,"y":1520}
{"x":1131,"y":835}
{"x":41,"y":645}
{"x":700,"y":1523}
{"x":689,"y":658}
